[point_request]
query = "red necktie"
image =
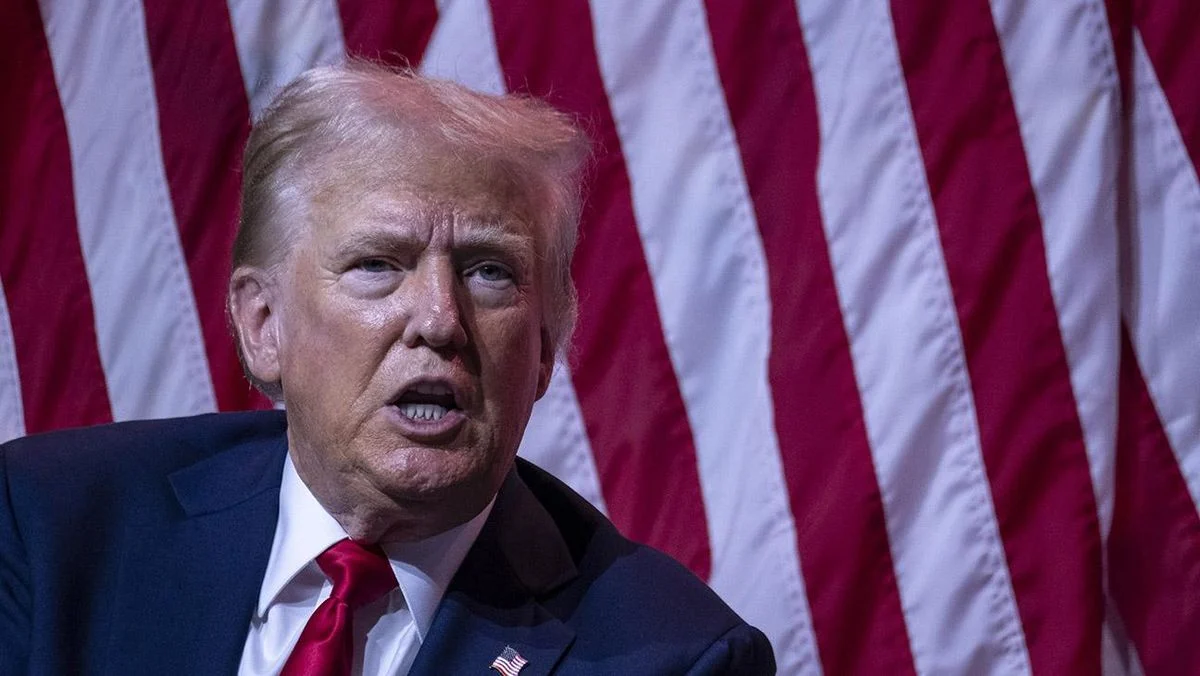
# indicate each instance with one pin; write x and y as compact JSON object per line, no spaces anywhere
{"x":360,"y":574}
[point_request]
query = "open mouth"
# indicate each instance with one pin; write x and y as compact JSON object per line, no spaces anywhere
{"x":427,"y":401}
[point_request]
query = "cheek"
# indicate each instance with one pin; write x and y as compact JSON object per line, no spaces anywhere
{"x":326,"y":319}
{"x":308,"y":328}
{"x":509,"y":344}
{"x":327,"y":344}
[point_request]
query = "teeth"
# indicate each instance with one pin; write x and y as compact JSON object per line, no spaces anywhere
{"x":423,"y":411}
{"x":432,"y":388}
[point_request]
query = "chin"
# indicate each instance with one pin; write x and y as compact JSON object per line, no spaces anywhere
{"x":435,"y":475}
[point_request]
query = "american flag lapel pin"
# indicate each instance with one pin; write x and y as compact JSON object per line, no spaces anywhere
{"x":509,"y":662}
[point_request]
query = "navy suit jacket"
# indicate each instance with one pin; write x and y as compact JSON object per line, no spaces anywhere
{"x":139,"y":548}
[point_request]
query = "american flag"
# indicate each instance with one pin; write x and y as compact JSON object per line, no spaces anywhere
{"x":509,"y":662}
{"x":890,"y":310}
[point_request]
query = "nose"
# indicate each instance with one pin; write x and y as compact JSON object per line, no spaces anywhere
{"x":434,"y":315}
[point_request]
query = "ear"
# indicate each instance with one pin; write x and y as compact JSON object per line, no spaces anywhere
{"x":546,"y":363}
{"x":255,"y":322}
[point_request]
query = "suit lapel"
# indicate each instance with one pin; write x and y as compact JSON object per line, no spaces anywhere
{"x":493,"y":601}
{"x":189,"y":583}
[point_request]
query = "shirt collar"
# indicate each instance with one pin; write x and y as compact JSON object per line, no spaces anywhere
{"x":423,"y":568}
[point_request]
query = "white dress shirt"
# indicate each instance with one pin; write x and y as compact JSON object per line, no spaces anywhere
{"x":388,"y":632}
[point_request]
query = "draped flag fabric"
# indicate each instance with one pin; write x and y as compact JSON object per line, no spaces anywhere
{"x":890,"y":322}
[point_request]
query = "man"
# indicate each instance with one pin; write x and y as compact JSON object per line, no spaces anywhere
{"x":401,"y":284}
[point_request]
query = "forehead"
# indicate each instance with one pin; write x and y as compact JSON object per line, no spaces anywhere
{"x":484,"y":192}
{"x":382,"y":221}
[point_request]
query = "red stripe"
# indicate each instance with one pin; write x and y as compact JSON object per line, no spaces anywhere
{"x":628,"y":392}
{"x":204,"y":118}
{"x":1154,"y":546}
{"x":841,"y":533}
{"x":386,"y":30}
{"x":1170,"y":30}
{"x":41,"y":261}
{"x":991,"y":233}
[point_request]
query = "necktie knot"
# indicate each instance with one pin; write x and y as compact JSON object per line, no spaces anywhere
{"x":359,"y":573}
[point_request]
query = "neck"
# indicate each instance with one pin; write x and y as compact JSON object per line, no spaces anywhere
{"x":370,"y":515}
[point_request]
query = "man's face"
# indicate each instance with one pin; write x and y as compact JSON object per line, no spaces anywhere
{"x":410,"y":337}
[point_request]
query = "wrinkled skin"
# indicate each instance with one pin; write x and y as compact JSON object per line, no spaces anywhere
{"x":380,"y":290}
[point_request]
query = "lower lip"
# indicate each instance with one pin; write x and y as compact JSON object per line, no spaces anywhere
{"x":429,"y":431}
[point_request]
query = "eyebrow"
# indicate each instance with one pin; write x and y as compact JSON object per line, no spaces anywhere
{"x":490,"y":235}
{"x":469,"y":237}
{"x":378,"y":240}
{"x":476,"y":237}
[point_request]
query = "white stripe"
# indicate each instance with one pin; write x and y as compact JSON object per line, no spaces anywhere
{"x":708,"y":268}
{"x":1161,"y":291}
{"x":556,"y":440}
{"x":896,"y":301}
{"x":1118,"y":652}
{"x":1070,"y":123}
{"x":12,"y":413}
{"x":463,"y":48}
{"x":147,"y":327}
{"x":276,"y":41}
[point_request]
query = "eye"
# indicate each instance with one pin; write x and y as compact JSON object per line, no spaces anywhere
{"x":374,"y":265}
{"x":492,"y":273}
